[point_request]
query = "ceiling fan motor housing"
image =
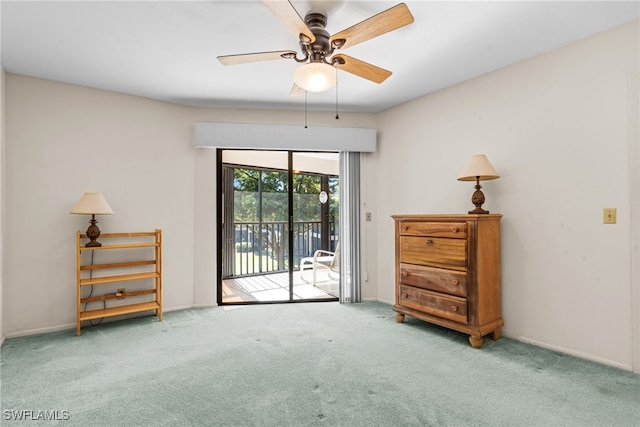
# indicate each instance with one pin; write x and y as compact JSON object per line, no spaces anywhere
{"x":321,"y":47}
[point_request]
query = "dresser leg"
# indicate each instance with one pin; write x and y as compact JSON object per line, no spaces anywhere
{"x":399,"y":317}
{"x":476,"y":342}
{"x":497,"y":334}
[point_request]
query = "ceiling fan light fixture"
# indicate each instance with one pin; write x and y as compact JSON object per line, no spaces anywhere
{"x":315,"y":77}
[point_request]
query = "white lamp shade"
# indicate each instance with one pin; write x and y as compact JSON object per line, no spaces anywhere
{"x":478,"y":166}
{"x":92,"y":204}
{"x":315,"y":77}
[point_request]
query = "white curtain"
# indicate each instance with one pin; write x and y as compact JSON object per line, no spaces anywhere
{"x":350,"y":274}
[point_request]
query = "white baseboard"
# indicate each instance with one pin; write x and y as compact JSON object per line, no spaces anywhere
{"x":203,"y":306}
{"x":63,"y":327}
{"x":178,"y":308}
{"x":37,"y":331}
{"x":568,"y":351}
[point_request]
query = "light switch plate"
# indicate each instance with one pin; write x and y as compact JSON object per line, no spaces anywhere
{"x":609,"y":216}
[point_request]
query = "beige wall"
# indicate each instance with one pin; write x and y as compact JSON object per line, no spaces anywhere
{"x":556,"y":128}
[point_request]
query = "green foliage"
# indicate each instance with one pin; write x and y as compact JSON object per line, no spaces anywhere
{"x":249,"y":182}
{"x":306,"y":206}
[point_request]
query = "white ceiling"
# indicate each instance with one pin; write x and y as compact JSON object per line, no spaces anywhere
{"x":167,"y":50}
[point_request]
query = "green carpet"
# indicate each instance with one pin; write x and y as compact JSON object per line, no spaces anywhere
{"x":315,"y":364}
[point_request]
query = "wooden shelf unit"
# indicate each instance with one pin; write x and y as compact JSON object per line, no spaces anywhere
{"x":136,"y":269}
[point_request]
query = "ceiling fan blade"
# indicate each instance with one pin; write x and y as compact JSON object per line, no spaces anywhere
{"x":288,"y":15}
{"x":244,"y":58}
{"x":296,"y":90}
{"x":389,"y":20}
{"x":360,"y":68}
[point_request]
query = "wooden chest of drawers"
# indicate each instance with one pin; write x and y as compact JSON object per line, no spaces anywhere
{"x":448,"y":272}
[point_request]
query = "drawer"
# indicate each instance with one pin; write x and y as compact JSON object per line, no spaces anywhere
{"x":434,"y":252}
{"x":454,"y":230}
{"x":449,"y":307}
{"x":434,"y":279}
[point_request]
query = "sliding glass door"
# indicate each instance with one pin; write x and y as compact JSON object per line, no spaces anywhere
{"x":278,"y":209}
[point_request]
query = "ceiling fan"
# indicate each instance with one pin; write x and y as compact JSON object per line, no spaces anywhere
{"x":317,"y":46}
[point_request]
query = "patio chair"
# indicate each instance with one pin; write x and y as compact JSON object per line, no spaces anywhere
{"x":321,"y":261}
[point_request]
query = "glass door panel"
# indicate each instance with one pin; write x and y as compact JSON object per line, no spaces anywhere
{"x":316,"y":275}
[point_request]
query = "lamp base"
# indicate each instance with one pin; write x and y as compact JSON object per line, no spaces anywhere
{"x":93,"y":244}
{"x":478,"y":199}
{"x":93,"y":232}
{"x":478,"y":211}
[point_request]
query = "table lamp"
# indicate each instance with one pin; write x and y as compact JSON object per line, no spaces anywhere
{"x":478,"y":169}
{"x":92,"y":204}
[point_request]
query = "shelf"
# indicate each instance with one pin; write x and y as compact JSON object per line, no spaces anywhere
{"x":120,"y":246}
{"x":116,"y":235}
{"x":119,"y":310}
{"x":114,"y":296}
{"x":118,"y":278}
{"x":117,"y":265}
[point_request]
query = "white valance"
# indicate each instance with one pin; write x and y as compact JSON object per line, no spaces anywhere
{"x":284,"y":137}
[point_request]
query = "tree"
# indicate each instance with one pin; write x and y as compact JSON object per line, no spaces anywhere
{"x":261,"y":196}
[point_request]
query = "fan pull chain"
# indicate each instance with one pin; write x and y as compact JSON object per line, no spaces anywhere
{"x":337,"y":115}
{"x":305,"y":109}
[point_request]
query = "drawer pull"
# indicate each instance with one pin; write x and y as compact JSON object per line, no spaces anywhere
{"x":405,"y":228}
{"x":405,"y":295}
{"x":429,"y":241}
{"x":455,"y":282}
{"x":454,"y":229}
{"x":454,"y":308}
{"x":405,"y":274}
